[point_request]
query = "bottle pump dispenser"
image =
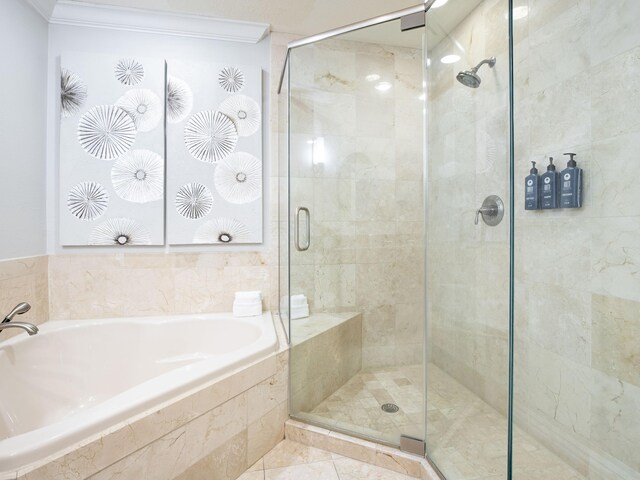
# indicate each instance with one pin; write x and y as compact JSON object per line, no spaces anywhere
{"x":549,"y":182}
{"x":571,"y":184}
{"x":532,"y":189}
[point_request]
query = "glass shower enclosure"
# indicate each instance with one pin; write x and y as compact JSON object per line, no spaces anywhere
{"x":426,"y":308}
{"x":356,"y":179}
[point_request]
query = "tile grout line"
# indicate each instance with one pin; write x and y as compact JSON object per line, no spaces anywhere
{"x":333,"y":462}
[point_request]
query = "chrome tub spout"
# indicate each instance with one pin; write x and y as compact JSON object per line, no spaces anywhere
{"x":27,"y":327}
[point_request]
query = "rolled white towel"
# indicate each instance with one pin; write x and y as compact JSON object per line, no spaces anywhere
{"x":253,"y":295}
{"x":298,"y":300}
{"x":299,"y":312}
{"x":247,"y":310}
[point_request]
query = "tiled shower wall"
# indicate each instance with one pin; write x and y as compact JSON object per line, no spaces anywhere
{"x":468,"y":264}
{"x":577,"y":351}
{"x":365,"y":195}
{"x":577,"y":272}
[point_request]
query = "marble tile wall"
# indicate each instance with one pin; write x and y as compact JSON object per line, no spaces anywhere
{"x":24,"y":280}
{"x":140,"y":284}
{"x":578,"y":348}
{"x":364,"y":192}
{"x":577,"y":289}
{"x":324,"y":361}
{"x":468,"y":148}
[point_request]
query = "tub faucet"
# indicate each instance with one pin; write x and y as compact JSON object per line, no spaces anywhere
{"x":27,"y":327}
{"x":19,"y":309}
{"x":22,"y":307}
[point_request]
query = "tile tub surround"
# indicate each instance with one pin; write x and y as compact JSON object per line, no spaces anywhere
{"x":326,"y":352}
{"x":293,"y":460}
{"x":24,"y":280}
{"x":141,"y":284}
{"x":235,"y":419}
{"x":366,"y":199}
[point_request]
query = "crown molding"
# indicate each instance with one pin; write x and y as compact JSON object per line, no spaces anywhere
{"x":43,"y":7}
{"x":148,"y":21}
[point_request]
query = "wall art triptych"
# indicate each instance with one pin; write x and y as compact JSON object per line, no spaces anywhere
{"x":128,"y":174}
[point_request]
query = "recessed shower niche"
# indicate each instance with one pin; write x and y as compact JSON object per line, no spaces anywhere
{"x":122,"y":162}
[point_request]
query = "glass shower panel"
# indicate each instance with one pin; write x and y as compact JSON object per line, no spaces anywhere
{"x":577,"y":335}
{"x":468,"y":251}
{"x":283,"y":197}
{"x":357,"y":231}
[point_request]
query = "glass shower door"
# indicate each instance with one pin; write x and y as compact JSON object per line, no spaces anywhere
{"x":356,"y":216}
{"x":468,"y":239}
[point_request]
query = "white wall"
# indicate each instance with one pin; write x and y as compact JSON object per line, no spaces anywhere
{"x":23,"y":90}
{"x":63,"y":38}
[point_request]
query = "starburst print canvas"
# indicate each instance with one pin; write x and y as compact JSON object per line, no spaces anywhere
{"x":214,"y":153}
{"x":112,"y":158}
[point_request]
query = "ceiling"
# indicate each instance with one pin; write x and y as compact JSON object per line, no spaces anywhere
{"x":303,"y":17}
{"x":439,"y":22}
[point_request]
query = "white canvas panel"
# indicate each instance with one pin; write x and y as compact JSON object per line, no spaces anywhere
{"x":112,"y":165}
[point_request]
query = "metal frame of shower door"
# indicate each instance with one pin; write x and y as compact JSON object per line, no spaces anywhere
{"x":388,"y":17}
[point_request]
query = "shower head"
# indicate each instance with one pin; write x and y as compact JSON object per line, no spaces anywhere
{"x":470,"y":78}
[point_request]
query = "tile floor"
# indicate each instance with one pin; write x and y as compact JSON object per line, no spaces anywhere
{"x":293,"y":461}
{"x":358,"y":402}
{"x":466,"y":436}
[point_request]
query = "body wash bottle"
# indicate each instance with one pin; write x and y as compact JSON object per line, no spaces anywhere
{"x":532,"y":189}
{"x":549,"y":183}
{"x":571,"y":184}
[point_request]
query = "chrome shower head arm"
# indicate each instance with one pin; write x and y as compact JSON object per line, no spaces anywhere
{"x":490,"y":61}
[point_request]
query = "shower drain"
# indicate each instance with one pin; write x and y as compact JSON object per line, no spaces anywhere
{"x":390,"y":408}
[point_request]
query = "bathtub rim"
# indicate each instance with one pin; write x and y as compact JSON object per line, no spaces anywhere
{"x":270,"y":340}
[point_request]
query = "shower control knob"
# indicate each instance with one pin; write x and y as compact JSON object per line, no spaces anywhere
{"x":492,"y":211}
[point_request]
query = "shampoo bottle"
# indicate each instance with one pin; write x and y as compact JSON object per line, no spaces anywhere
{"x":571,"y":184}
{"x":549,"y":183}
{"x":532,"y":189}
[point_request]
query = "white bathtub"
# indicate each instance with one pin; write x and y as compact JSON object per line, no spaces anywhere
{"x":77,"y":378}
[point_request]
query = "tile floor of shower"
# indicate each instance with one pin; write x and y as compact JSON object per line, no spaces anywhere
{"x":467,"y":437}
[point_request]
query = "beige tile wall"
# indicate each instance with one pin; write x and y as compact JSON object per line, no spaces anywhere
{"x":366,"y":198}
{"x":578,"y":348}
{"x":577,"y":287}
{"x":468,"y":265}
{"x":126,"y":284}
{"x":325,"y":360}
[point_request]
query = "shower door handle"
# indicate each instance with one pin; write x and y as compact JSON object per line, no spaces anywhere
{"x":296,"y":232}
